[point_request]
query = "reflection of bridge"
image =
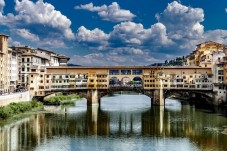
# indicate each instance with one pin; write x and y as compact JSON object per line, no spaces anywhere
{"x":95,"y":82}
{"x":155,"y":122}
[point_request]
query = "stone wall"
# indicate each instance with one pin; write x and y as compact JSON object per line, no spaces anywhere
{"x":16,"y":97}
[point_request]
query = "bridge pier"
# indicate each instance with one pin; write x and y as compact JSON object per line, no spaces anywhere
{"x":92,"y":97}
{"x":158,"y":97}
{"x":92,"y":120}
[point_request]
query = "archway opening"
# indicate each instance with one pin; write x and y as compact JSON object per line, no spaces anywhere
{"x":113,"y":81}
{"x":137,"y":81}
{"x":126,"y":81}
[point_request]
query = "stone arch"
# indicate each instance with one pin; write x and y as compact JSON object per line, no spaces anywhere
{"x":113,"y":81}
{"x":126,"y":81}
{"x":103,"y":93}
{"x":137,"y":80}
{"x":192,"y":96}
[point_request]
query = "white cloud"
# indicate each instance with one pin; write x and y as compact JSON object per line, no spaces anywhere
{"x":43,"y":13}
{"x":106,"y":59}
{"x":157,"y":35}
{"x":52,"y":43}
{"x":2,"y":5}
{"x":218,"y":35}
{"x":112,"y":12}
{"x":46,"y":42}
{"x":226,"y":10}
{"x":92,"y":36}
{"x":128,"y":51}
{"x":128,"y":33}
{"x":92,"y":8}
{"x":14,"y":43}
{"x":39,"y":13}
{"x":182,"y":21}
{"x":26,"y":34}
{"x":134,"y":34}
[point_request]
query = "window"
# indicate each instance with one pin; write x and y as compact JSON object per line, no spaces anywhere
{"x":220,"y":72}
{"x":22,"y":59}
{"x":220,"y":78}
{"x":137,"y":72}
{"x":126,"y":72}
{"x":31,"y":81}
{"x":28,"y":59}
{"x":28,"y":69}
{"x":31,"y":75}
{"x":22,"y":69}
{"x":41,"y":87}
{"x":114,"y":72}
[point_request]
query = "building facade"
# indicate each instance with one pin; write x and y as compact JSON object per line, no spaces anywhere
{"x":4,"y":83}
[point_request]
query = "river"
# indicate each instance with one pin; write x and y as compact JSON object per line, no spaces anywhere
{"x":119,"y":123}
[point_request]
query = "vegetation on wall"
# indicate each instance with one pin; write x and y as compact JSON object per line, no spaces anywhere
{"x":60,"y":99}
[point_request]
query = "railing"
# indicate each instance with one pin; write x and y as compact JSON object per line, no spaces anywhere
{"x":126,"y":86}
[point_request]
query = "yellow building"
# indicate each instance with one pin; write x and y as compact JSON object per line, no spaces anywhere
{"x":202,"y":56}
{"x":149,"y":78}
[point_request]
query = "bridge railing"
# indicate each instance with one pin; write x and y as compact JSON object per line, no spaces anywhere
{"x":126,"y":85}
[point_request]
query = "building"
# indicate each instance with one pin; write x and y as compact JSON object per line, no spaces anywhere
{"x":202,"y":55}
{"x":4,"y":83}
{"x":30,"y":62}
{"x":12,"y":70}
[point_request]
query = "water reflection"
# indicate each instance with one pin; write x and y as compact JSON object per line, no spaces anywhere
{"x":173,"y":105}
{"x":119,"y":123}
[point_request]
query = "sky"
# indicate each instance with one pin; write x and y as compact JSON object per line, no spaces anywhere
{"x":120,"y":32}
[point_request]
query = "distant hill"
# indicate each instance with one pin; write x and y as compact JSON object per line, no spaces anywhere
{"x":175,"y":62}
{"x":72,"y":65}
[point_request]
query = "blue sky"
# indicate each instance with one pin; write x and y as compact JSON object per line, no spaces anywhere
{"x":120,"y":32}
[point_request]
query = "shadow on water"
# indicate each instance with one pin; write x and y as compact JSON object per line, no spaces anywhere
{"x":201,"y":105}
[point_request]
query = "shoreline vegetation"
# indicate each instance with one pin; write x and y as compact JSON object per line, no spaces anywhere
{"x":18,"y":108}
{"x":14,"y":109}
{"x":61,"y":99}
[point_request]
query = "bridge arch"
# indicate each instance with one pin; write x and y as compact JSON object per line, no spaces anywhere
{"x":137,"y":81}
{"x":113,"y":90}
{"x":125,"y":80}
{"x":192,"y":96}
{"x":113,"y":81}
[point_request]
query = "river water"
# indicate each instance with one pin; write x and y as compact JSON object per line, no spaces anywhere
{"x":120,"y":123}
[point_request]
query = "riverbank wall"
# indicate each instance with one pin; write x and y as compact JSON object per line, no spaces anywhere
{"x":14,"y":98}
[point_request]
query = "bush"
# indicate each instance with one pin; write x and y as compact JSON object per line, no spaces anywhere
{"x":17,"y":108}
{"x":61,"y":99}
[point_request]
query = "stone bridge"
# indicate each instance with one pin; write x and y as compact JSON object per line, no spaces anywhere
{"x":155,"y":82}
{"x":157,"y":96}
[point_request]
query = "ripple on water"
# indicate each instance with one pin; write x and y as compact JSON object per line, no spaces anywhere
{"x":97,"y":143}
